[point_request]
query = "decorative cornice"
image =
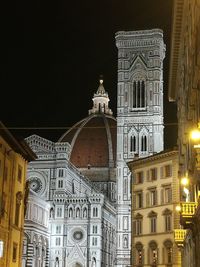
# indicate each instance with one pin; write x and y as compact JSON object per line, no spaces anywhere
{"x":149,"y":159}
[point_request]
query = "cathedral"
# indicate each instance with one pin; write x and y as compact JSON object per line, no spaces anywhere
{"x":79,"y":206}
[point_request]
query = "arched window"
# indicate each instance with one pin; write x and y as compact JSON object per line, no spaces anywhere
{"x":70,"y":213}
{"x":77,"y":213}
{"x":139,"y":260}
{"x":138,"y":100}
{"x":153,"y":253}
{"x":168,"y":251}
{"x":143,"y":143}
{"x":133,"y":144}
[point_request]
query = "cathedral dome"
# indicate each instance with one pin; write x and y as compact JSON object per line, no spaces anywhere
{"x":93,"y":140}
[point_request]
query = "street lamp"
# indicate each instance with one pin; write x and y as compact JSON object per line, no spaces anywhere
{"x":184,"y":181}
{"x":195,"y":136}
{"x":178,"y":208}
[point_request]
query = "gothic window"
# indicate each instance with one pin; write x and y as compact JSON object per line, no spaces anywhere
{"x":61,"y":173}
{"x":95,"y":212}
{"x":77,"y":213}
{"x":143,"y":143}
{"x":132,"y":144}
{"x":70,"y":212}
{"x":94,"y":229}
{"x":60,"y":183}
{"x":51,"y":212}
{"x":59,"y":212}
{"x":138,"y":95}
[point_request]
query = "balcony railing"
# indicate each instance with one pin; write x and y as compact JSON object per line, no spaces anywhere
{"x":179,"y":236}
{"x":188,"y":209}
{"x":187,"y":212}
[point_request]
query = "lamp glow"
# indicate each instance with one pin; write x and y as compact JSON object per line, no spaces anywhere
{"x":195,"y":135}
{"x":184,"y":181}
{"x":178,"y":208}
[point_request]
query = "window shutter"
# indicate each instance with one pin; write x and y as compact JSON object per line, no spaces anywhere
{"x":147,"y":199}
{"x":156,"y":197}
{"x":170,"y":195}
{"x":162,"y":196}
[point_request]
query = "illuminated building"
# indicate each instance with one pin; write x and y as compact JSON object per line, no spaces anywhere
{"x":76,"y":178}
{"x":184,"y":86}
{"x":14,"y":158}
{"x":155,"y":195}
{"x":139,"y":117}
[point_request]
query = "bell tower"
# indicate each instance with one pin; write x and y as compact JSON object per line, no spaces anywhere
{"x":139,"y":117}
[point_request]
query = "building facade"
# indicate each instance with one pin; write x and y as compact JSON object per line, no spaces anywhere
{"x":155,"y":194}
{"x":139,"y":117}
{"x":71,"y":214}
{"x":184,"y":88}
{"x":14,"y":158}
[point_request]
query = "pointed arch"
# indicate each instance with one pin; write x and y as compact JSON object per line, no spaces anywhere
{"x":133,"y":140}
{"x":143,"y":140}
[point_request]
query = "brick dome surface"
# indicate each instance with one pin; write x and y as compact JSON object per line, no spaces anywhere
{"x":93,"y":142}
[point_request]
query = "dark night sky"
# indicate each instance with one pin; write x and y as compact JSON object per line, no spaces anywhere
{"x":54,"y":51}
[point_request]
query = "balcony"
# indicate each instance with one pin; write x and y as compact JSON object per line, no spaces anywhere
{"x":179,"y":236}
{"x":187,"y":213}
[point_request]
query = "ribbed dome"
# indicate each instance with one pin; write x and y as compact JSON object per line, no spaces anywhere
{"x":93,"y":141}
